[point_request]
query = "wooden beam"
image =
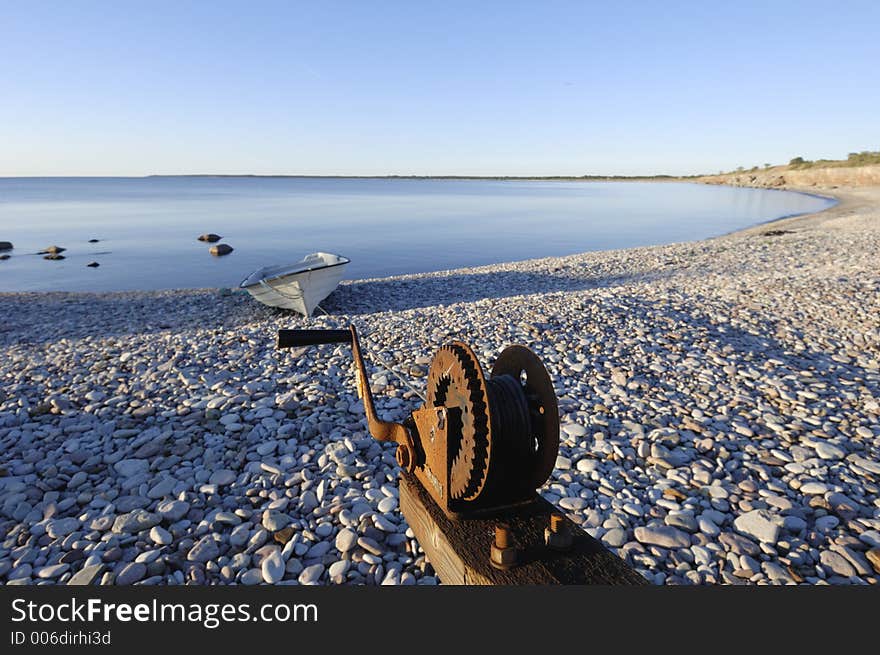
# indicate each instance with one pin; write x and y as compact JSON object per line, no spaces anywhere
{"x":459,"y":550}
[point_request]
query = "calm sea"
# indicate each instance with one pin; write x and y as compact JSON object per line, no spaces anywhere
{"x":147,"y":227}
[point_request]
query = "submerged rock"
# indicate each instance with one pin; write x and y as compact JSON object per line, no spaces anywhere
{"x":93,"y":264}
{"x":53,"y":256}
{"x":210,"y":237}
{"x":5,"y":245}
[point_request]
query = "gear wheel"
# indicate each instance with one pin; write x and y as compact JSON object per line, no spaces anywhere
{"x":456,"y":381}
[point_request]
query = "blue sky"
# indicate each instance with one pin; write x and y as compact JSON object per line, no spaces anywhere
{"x":361,"y":88}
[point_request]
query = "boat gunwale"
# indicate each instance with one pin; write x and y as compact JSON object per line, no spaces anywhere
{"x":242,"y":284}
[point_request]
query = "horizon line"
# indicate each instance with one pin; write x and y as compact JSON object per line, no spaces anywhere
{"x":373,"y":177}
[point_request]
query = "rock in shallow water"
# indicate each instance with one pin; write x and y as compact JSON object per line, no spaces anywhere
{"x":220,"y":249}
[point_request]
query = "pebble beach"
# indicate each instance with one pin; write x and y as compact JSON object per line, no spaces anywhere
{"x":719,"y":404}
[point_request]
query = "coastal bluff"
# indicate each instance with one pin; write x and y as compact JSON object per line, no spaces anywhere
{"x":785,"y":177}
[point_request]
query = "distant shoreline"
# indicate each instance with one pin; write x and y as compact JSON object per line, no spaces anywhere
{"x":513,"y":178}
{"x":539,"y":178}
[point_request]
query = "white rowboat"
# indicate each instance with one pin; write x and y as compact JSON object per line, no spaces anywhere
{"x":299,"y":286}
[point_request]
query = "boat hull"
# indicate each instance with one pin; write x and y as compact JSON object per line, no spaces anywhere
{"x":300,"y":291}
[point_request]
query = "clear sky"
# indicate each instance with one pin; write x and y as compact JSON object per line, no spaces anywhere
{"x":417,"y":87}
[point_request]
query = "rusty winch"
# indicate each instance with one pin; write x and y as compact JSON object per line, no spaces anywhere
{"x":478,"y":444}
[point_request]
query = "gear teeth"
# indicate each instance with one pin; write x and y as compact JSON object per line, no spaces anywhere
{"x":456,"y":380}
{"x":470,"y":464}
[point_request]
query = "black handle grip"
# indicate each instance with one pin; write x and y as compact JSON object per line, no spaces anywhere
{"x":295,"y":338}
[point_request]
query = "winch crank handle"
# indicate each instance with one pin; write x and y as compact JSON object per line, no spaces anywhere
{"x":380,"y":430}
{"x":295,"y":338}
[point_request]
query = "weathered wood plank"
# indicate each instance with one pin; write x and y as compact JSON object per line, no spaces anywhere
{"x":459,"y":550}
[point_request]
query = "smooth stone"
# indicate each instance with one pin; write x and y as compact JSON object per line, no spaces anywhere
{"x":162,"y":488}
{"x":274,"y":520}
{"x":62,"y":527}
{"x":388,"y":504}
{"x":794,"y":523}
{"x":615,"y":537}
{"x":53,"y":571}
{"x":252,"y":577}
{"x":24,"y":570}
{"x":346,"y":539}
{"x":870,"y":537}
{"x":131,"y":573}
{"x":739,"y":544}
{"x":663,"y":536}
{"x":338,"y":568}
{"x":572,"y":504}
{"x":826,"y":523}
{"x":222,"y":477}
{"x":708,"y":527}
{"x":172,"y":510}
{"x":837,"y":563}
{"x":318,"y":550}
{"x":681,"y":520}
{"x":573,"y":429}
{"x":829,"y":451}
{"x":873,"y":556}
{"x":369,"y":545}
{"x":284,"y":535}
{"x":587,"y":465}
{"x":126,"y":504}
{"x":759,"y":524}
{"x":813,"y":488}
{"x":135,"y":521}
{"x":311,"y":574}
{"x":160,"y":535}
{"x":272,"y":567}
{"x":203,"y":550}
{"x":86,"y":575}
{"x":384,"y":524}
{"x":130,"y":467}
{"x":240,"y":535}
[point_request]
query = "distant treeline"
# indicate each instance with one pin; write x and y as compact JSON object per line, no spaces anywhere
{"x":864,"y":158}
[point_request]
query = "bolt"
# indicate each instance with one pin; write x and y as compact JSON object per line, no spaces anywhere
{"x":557,"y":535}
{"x":404,"y":457}
{"x":502,"y":535}
{"x":502,"y":555}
